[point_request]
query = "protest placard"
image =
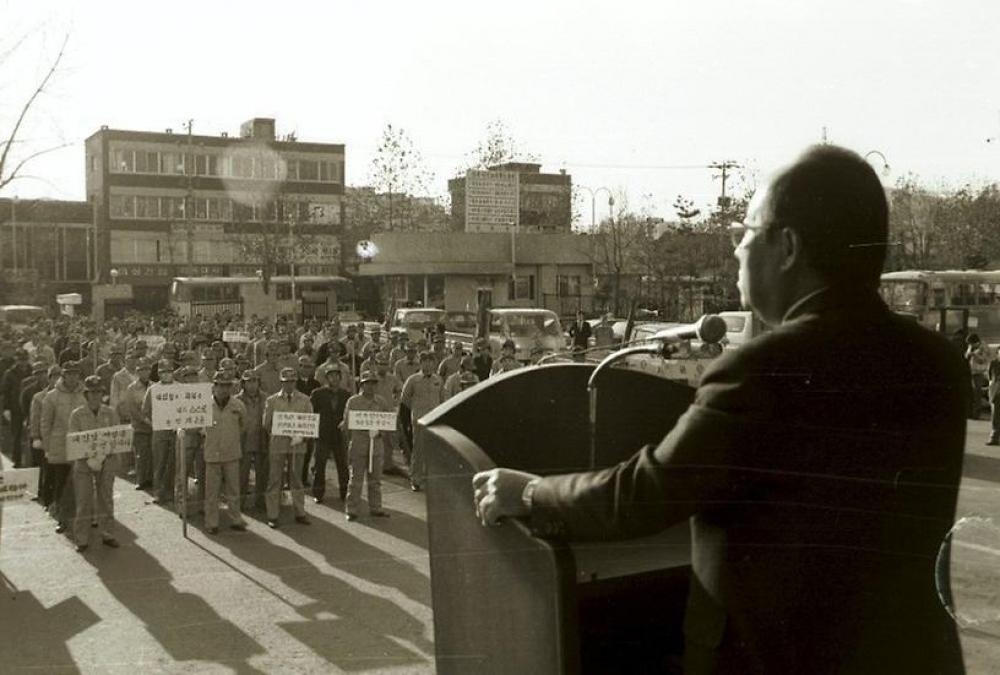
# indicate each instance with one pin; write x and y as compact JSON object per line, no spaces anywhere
{"x":367,"y":420}
{"x":235,"y":336}
{"x":182,"y":406}
{"x":17,"y":484}
{"x":96,"y":444}
{"x":305,"y":425}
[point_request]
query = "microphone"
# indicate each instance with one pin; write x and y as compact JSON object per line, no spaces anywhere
{"x":710,"y":328}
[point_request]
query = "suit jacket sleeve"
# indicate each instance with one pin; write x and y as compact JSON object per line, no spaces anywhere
{"x":699,"y":463}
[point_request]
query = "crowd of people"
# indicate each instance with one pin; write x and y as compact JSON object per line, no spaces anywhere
{"x":70,"y":374}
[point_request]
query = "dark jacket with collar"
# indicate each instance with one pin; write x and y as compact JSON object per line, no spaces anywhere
{"x":819,"y":467}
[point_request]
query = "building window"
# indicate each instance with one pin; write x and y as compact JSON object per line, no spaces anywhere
{"x":243,"y":167}
{"x":308,"y":169}
{"x":283,"y":291}
{"x":522,"y":287}
{"x":569,"y":285}
{"x":292,"y":169}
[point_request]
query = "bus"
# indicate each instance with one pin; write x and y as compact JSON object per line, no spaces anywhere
{"x":244,"y":296}
{"x":954,"y":302}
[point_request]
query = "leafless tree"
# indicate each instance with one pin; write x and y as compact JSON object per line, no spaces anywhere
{"x":12,"y":163}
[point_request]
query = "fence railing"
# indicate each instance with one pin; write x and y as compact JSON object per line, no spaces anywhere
{"x":234,"y":307}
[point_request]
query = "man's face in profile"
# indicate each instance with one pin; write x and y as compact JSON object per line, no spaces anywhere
{"x":759,"y":257}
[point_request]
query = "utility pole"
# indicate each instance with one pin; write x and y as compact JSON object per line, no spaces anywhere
{"x":724,"y":167}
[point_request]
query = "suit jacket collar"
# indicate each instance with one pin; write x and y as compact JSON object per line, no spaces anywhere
{"x":828,"y":298}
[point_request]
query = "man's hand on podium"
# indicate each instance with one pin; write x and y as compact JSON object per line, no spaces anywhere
{"x":498,"y":493}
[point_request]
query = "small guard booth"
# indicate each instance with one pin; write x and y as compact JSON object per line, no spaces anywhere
{"x":507,"y":602}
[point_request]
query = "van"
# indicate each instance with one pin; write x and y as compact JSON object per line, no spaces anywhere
{"x":20,"y":316}
{"x":527,"y":327}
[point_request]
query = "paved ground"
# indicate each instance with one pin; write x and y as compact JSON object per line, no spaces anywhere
{"x":331,"y":597}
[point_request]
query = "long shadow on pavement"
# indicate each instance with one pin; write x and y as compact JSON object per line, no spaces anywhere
{"x":350,"y":628}
{"x":184,"y":624}
{"x":981,"y":467}
{"x":345,"y":550}
{"x":34,"y":637}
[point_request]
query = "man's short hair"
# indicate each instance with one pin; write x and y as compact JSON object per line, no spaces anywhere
{"x":834,"y":200}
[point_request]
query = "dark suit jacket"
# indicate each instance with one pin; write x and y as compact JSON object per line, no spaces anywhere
{"x":819,"y":466}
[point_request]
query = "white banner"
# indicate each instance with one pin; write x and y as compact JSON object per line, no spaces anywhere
{"x":182,"y":406}
{"x":97,"y":444}
{"x":295,"y":424}
{"x":235,"y":336}
{"x":17,"y":484}
{"x":369,"y":420}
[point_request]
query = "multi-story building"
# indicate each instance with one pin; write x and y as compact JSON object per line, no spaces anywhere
{"x":185,"y":205}
{"x":46,"y":247}
{"x":515,"y":194}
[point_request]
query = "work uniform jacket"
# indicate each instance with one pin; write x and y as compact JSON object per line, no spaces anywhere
{"x":280,"y":402}
{"x":57,"y":406}
{"x":253,"y":440}
{"x":358,"y":438}
{"x":422,"y":393}
{"x":222,"y":439}
{"x":131,"y":406}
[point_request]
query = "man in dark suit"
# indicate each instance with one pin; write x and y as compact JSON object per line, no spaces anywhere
{"x":819,"y":465}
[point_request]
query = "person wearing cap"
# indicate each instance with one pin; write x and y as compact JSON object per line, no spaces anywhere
{"x":142,"y":428}
{"x":455,"y":383}
{"x":51,"y":375}
{"x":452,"y":363}
{"x":285,"y":452}
{"x":209,"y":364}
{"x":422,"y":392}
{"x":223,"y":451}
{"x":57,"y":406}
{"x":120,"y":382}
{"x":194,"y":458}
{"x":71,"y":352}
{"x":439,"y":349}
{"x":537,"y":352}
{"x":390,"y":388}
{"x":347,"y":381}
{"x":30,"y":386}
{"x":269,"y":372}
{"x":94,"y":477}
{"x":163,"y":440}
{"x":483,"y":359}
{"x":10,"y":386}
{"x":507,"y":360}
{"x":106,"y":371}
{"x":252,"y":442}
{"x":328,"y":402}
{"x":306,"y":383}
{"x":409,"y":364}
{"x":363,"y":468}
{"x":228,"y":366}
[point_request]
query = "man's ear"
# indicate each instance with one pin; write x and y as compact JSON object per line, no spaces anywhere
{"x":791,"y":248}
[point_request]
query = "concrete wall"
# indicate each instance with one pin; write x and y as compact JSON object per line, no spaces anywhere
{"x":102,"y":292}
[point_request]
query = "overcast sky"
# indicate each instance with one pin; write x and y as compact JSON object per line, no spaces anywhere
{"x":633,"y":95}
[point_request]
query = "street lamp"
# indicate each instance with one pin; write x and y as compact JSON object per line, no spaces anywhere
{"x":885,"y":163}
{"x":114,"y":276}
{"x":593,"y":201}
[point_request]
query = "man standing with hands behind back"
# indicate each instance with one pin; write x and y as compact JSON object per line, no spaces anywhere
{"x":819,"y":489}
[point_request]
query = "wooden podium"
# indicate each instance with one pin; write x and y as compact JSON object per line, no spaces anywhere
{"x":508,"y":602}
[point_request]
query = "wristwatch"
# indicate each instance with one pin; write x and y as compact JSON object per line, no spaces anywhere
{"x":527,"y":496}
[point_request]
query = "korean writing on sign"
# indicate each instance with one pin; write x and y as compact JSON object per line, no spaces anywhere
{"x":361,"y":420}
{"x":182,"y":406}
{"x":16,"y":484}
{"x":295,"y":424}
{"x":235,"y":336}
{"x":97,"y":444}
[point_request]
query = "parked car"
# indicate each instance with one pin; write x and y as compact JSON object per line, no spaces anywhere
{"x":20,"y":316}
{"x":414,"y":321}
{"x":528,"y":327}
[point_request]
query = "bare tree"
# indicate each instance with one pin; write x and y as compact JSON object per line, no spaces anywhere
{"x":398,"y":171}
{"x":11,"y":165}
{"x":497,"y":147}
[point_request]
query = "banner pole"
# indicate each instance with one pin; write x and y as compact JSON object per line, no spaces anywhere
{"x":181,"y":465}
